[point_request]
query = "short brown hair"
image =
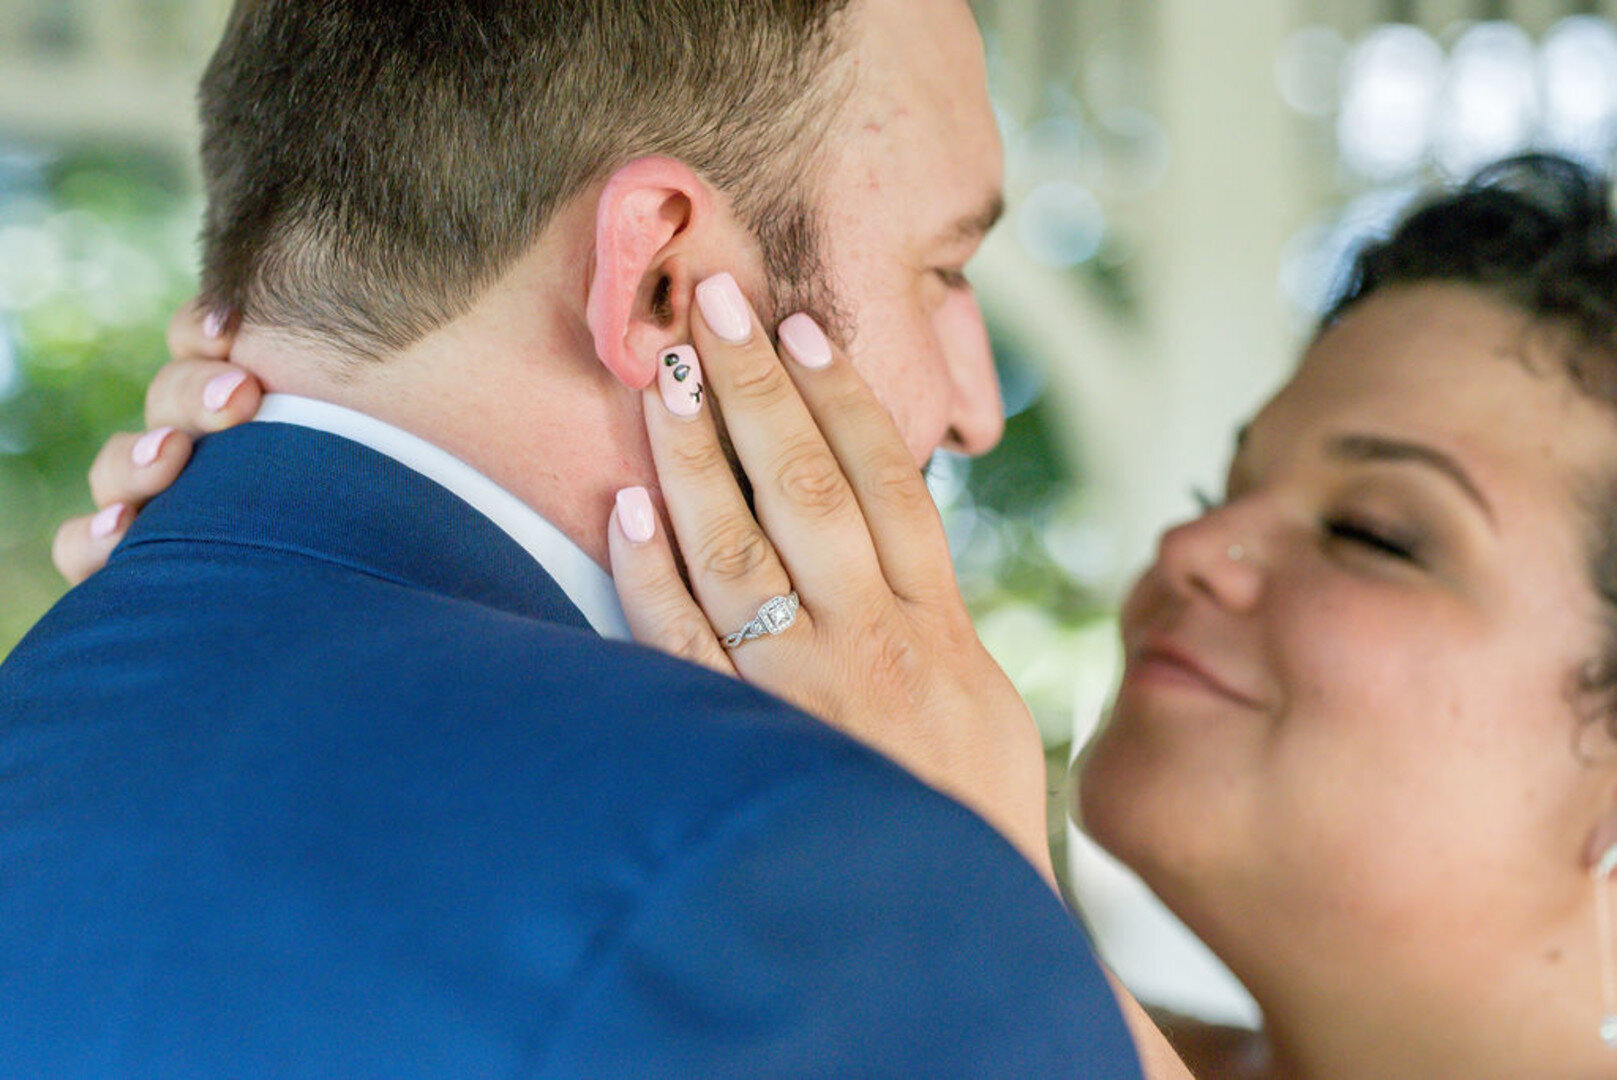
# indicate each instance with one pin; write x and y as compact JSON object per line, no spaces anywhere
{"x":373,"y":165}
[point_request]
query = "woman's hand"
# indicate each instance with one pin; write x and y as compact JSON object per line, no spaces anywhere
{"x":882,"y":647}
{"x":195,"y":394}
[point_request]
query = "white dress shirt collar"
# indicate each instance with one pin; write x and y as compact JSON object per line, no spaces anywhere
{"x":586,"y":584}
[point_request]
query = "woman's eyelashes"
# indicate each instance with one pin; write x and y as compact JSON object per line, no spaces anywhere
{"x":1362,"y":532}
{"x":1375,"y":538}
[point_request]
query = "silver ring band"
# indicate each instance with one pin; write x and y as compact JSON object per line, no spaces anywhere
{"x":775,"y":616}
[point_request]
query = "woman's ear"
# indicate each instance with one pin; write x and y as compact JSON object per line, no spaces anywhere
{"x":639,"y":288}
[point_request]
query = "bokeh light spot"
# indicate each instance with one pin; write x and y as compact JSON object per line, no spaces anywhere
{"x":1061,"y":224}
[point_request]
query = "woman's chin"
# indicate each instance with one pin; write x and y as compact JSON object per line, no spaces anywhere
{"x":1163,"y":817}
{"x":1113,"y":804}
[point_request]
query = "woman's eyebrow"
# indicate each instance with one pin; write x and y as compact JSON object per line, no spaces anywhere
{"x":1378,"y":448}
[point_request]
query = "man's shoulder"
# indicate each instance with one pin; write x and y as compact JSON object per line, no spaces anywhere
{"x":262,"y":777}
{"x":302,"y":641}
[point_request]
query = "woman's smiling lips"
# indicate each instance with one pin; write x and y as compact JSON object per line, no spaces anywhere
{"x":1159,"y":662}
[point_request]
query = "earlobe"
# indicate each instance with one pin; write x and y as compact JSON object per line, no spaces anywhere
{"x":645,"y":208}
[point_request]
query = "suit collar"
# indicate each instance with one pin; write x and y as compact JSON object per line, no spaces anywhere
{"x":314,"y":494}
{"x":585,"y":583}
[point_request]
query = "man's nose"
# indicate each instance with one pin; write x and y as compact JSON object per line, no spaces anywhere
{"x":976,"y":419}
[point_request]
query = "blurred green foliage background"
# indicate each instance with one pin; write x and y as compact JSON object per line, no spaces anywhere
{"x":97,"y":249}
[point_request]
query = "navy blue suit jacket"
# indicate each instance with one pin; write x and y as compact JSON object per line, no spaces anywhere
{"x":323,"y":777}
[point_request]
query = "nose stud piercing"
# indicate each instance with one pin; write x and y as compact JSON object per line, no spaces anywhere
{"x":1235,"y":553}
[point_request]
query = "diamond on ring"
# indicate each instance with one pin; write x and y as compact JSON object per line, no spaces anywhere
{"x":775,"y":616}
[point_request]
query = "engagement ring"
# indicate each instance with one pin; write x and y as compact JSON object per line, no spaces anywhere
{"x":776,"y":616}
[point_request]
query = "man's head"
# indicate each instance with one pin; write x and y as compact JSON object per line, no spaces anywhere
{"x":373,"y":166}
{"x":388,"y":179}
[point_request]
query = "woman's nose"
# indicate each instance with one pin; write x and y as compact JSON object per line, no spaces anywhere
{"x":1217,"y":556}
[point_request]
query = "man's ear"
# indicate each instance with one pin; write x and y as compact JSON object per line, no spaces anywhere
{"x":645,"y":209}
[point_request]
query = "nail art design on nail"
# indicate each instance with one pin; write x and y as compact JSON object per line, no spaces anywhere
{"x":679,"y":373}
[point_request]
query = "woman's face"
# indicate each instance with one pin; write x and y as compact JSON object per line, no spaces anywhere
{"x":1346,"y":731}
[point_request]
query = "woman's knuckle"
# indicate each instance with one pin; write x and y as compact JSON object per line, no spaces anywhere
{"x":689,"y":636}
{"x":104,"y":477}
{"x":64,"y":551}
{"x":160,"y":393}
{"x":889,"y":650}
{"x":697,"y":457}
{"x":154,"y":395}
{"x":812,"y":481}
{"x":174,"y":333}
{"x":759,"y":382}
{"x":668,"y":619}
{"x":899,"y":666}
{"x":733,"y":552}
{"x":895,"y":484}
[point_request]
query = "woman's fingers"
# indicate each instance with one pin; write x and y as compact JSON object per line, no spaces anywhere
{"x":659,"y":608}
{"x":800,"y":494}
{"x":83,"y":544}
{"x":891,"y":490}
{"x":200,"y":391}
{"x":732,"y":565}
{"x":196,"y":333}
{"x":909,"y":679}
{"x":201,"y":396}
{"x":196,"y":393}
{"x":131,"y":468}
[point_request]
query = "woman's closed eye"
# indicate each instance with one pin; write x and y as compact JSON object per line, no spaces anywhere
{"x":1374,"y":538}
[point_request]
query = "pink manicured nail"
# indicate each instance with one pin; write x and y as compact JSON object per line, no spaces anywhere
{"x":148,"y":446}
{"x":216,"y":395}
{"x":635,"y":516}
{"x":679,"y":374}
{"x":213,"y":325}
{"x":724,"y":308}
{"x":105,"y":523}
{"x":806,"y":342}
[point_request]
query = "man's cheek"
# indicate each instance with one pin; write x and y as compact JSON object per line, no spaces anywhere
{"x":914,"y":391}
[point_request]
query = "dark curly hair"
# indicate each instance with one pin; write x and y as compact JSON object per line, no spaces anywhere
{"x":1536,"y":232}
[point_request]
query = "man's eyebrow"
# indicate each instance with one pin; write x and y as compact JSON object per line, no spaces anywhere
{"x":1368,"y":448}
{"x":975,"y":226}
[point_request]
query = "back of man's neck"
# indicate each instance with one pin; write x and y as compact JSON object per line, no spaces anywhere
{"x":560,"y":435}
